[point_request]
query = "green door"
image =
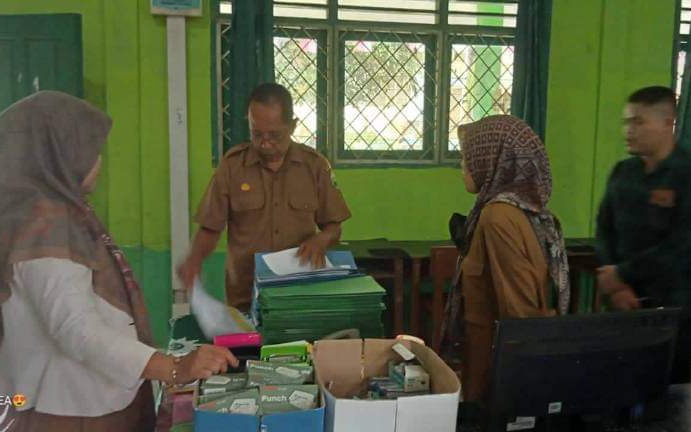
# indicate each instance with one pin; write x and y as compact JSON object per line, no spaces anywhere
{"x":39,"y":52}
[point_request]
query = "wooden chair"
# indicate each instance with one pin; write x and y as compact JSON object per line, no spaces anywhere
{"x":582,"y":262}
{"x":442,"y":267}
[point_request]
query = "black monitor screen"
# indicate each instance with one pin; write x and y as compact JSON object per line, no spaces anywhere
{"x":580,"y":364}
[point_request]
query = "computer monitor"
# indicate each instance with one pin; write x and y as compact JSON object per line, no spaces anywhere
{"x":579,"y":364}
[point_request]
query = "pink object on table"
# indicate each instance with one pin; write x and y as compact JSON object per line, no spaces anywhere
{"x":239,"y":340}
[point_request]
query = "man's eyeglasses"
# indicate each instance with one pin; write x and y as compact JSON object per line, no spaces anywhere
{"x":272,"y":137}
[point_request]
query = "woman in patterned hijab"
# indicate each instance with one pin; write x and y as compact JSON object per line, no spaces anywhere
{"x":513,"y":254}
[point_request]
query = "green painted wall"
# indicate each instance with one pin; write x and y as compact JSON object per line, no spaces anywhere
{"x":125,"y":73}
{"x":400,"y":204}
{"x":601,"y":51}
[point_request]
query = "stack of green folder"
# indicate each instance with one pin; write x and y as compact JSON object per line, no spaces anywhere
{"x":311,"y":311}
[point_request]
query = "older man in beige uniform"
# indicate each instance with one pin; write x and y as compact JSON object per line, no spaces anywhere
{"x":271,"y":194}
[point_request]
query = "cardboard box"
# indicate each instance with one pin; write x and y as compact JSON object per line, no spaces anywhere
{"x":342,"y":368}
{"x":266,"y":373}
{"x":307,"y":421}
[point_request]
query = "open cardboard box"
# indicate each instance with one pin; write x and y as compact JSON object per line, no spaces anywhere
{"x":342,"y":368}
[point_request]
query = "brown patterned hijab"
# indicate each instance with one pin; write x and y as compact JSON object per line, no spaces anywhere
{"x":508,"y":163}
{"x":48,"y":144}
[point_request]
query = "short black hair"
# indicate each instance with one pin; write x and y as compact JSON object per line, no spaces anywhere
{"x":272,"y":93}
{"x":654,"y":95}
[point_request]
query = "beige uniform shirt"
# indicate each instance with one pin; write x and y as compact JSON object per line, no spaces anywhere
{"x":267,"y":211}
{"x":504,"y":275}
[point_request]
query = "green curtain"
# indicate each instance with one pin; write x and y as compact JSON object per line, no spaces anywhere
{"x":531,"y":63}
{"x":251,"y":59}
{"x":683,"y":128}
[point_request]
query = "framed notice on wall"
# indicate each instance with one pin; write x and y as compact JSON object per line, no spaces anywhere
{"x":177,"y":7}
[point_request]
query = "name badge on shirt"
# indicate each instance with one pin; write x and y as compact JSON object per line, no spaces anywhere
{"x":663,"y":198}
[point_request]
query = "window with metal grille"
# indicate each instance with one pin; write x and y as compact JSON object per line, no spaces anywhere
{"x":683,"y":38}
{"x":300,"y":65}
{"x":381,"y":82}
{"x":223,"y":115}
{"x":386,"y":94}
{"x":481,"y":80}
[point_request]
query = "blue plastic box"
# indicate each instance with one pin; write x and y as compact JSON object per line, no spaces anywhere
{"x":307,"y":421}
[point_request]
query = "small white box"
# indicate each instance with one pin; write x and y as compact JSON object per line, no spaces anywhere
{"x":412,"y":378}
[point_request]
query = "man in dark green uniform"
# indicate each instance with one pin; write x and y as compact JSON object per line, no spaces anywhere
{"x":644,"y":222}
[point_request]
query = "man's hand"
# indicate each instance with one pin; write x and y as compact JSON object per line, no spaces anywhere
{"x":204,"y":243}
{"x":625,"y":300}
{"x":608,"y":280}
{"x":188,"y":271}
{"x":313,"y":250}
{"x":622,"y":296}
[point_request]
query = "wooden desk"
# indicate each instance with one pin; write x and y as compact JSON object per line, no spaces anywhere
{"x":372,"y":253}
{"x":582,"y":260}
{"x":395,"y":252}
{"x":372,"y":257}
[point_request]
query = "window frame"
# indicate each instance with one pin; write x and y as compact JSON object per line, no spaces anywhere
{"x":483,"y":34}
{"x":330,"y":92}
{"x":426,"y":154}
{"x":680,"y":43}
{"x":321,"y":37}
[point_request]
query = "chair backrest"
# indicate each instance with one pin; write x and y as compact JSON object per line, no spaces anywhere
{"x":442,"y":268}
{"x":442,"y":263}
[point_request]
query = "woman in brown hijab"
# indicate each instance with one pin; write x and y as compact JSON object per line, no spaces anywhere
{"x":74,"y":332}
{"x":513,"y":252}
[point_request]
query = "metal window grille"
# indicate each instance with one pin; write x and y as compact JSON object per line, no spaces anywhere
{"x":481,"y":81}
{"x":300,"y":65}
{"x":387,"y":104}
{"x":376,"y":81}
{"x":684,"y":26}
{"x":223,"y":77}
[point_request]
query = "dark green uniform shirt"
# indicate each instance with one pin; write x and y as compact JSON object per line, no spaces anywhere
{"x":643,"y":228}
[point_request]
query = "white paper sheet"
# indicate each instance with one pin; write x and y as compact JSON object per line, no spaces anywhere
{"x":286,"y":262}
{"x":215,"y":318}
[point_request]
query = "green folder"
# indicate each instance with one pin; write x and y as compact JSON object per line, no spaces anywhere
{"x":354,"y":286}
{"x":311,"y":311}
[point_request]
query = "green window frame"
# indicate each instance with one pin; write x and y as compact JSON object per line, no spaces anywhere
{"x":681,"y":40}
{"x":435,"y":28}
{"x":427,"y":129}
{"x":485,"y":43}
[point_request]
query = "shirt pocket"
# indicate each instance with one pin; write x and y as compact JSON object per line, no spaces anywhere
{"x":302,"y":203}
{"x":303,"y":212}
{"x":246,"y":201}
{"x":480,"y":309}
{"x":472,"y":267}
{"x":247,"y":192}
{"x":472,"y":282}
{"x":660,"y":219}
{"x":302,"y":193}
